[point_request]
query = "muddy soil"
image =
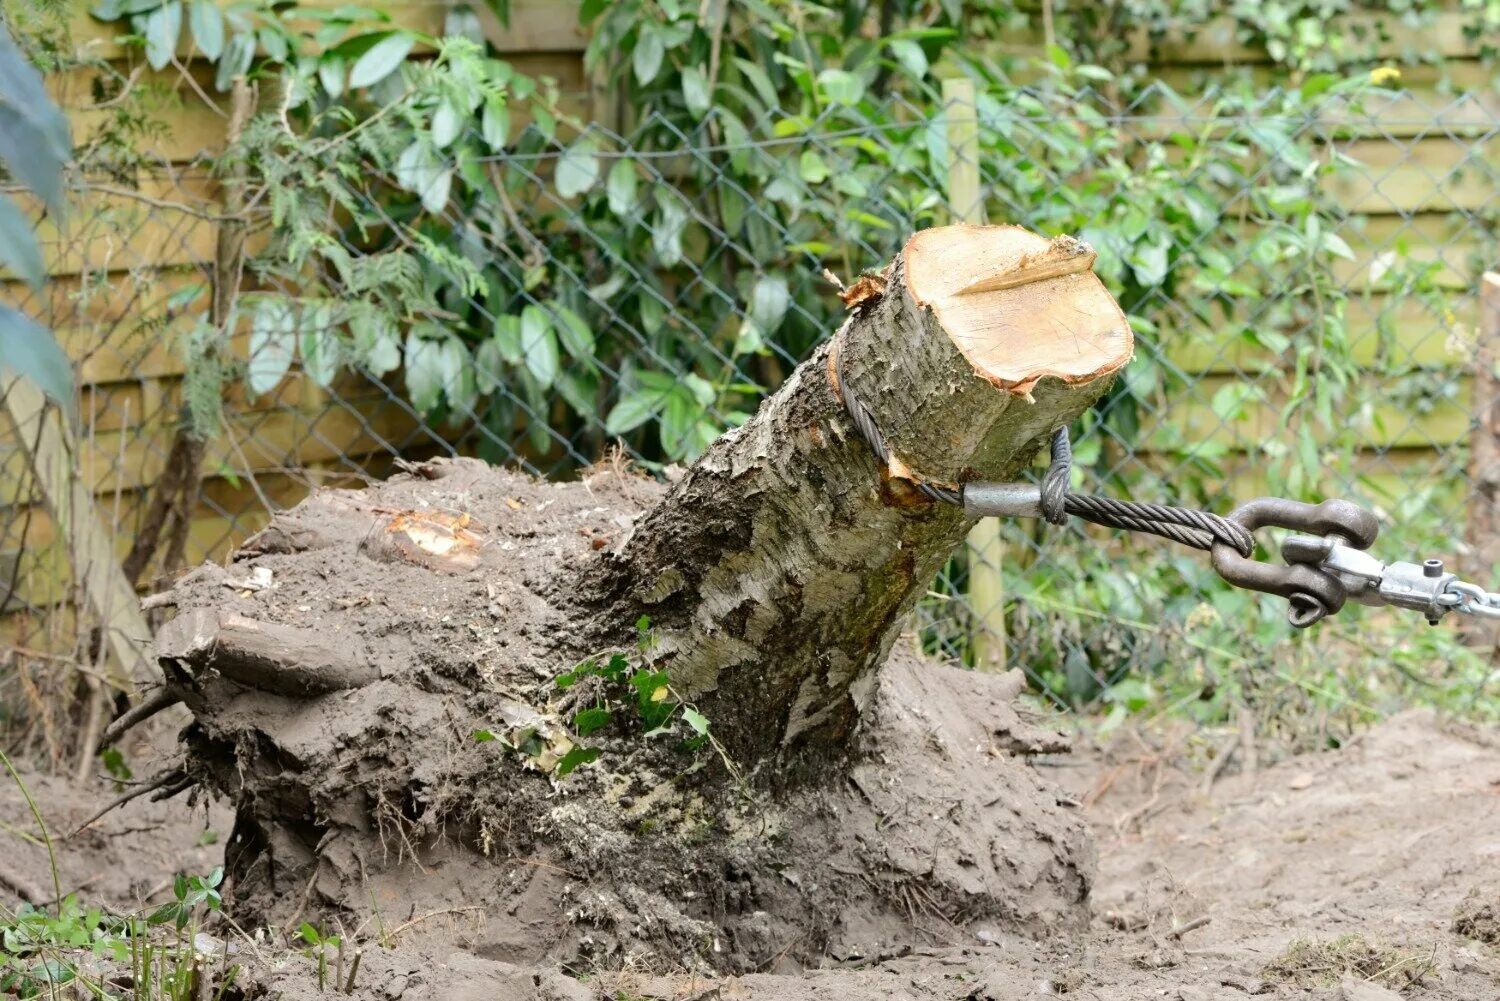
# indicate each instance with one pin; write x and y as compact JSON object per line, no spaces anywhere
{"x":954,"y":851}
{"x":432,"y":776}
{"x":1377,"y":865}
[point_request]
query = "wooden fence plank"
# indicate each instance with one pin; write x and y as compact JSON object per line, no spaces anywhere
{"x":1431,"y":100}
{"x":52,"y":453}
{"x":1189,"y":419}
{"x":1430,"y":175}
{"x":1482,"y":531}
{"x":1402,"y":330}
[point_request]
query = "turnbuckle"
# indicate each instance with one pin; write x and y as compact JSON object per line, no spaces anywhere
{"x":1312,"y":590}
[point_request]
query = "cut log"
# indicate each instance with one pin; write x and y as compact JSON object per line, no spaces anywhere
{"x":370,"y":705}
{"x":778,"y":571}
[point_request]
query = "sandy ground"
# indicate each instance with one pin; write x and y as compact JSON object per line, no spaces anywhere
{"x":1394,"y":839}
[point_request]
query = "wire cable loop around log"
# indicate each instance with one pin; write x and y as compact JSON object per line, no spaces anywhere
{"x":1197,"y":529}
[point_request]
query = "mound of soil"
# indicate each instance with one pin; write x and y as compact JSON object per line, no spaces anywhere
{"x":1369,"y":851}
{"x":431,"y":780}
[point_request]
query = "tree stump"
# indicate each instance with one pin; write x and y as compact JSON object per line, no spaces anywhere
{"x":443,"y":693}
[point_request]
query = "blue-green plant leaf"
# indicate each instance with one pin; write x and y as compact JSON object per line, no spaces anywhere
{"x":18,"y":247}
{"x":34,"y":140}
{"x":163,"y":28}
{"x":207,"y":24}
{"x":620,"y":188}
{"x":539,"y":345}
{"x":578,"y":169}
{"x":273,"y":341}
{"x":649,"y":52}
{"x":380,"y":60}
{"x":29,"y":349}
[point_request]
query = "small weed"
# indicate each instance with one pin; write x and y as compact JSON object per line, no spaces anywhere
{"x":1308,"y":963}
{"x":114,"y":764}
{"x":191,"y":892}
{"x":105,"y":954}
{"x":628,"y":693}
{"x":319,"y":946}
{"x":637,"y":692}
{"x":155,"y":957}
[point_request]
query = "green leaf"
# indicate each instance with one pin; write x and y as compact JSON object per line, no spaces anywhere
{"x":539,"y":345}
{"x":648,"y":54}
{"x":320,"y":346}
{"x":29,"y":349}
{"x":633,"y":410}
{"x":432,"y":366}
{"x":761,"y":81}
{"x":274,"y":43}
{"x":621,"y":187}
{"x":769,"y":301}
{"x":591,"y":9}
{"x":377,"y":343}
{"x":1148,"y":259}
{"x":273,"y":341}
{"x":162,"y":29}
{"x":589,"y":720}
{"x":332,"y":74}
{"x":578,"y":169}
{"x":34,"y":141}
{"x":1337,"y":246}
{"x":380,"y":60}
{"x":577,"y":336}
{"x":579,"y":385}
{"x":207,"y":24}
{"x":911,"y":57}
{"x":18,"y":246}
{"x":447,"y":124}
{"x":666,"y":235}
{"x":812,"y":167}
{"x":696,"y":92}
{"x":238,"y":55}
{"x":494,"y":124}
{"x":576,"y":756}
{"x":422,"y":171}
{"x":489,"y":366}
{"x":841,"y":86}
{"x":507,"y":336}
{"x":696,"y":720}
{"x":481,"y":736}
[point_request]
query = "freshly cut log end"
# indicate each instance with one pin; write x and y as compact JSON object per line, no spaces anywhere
{"x":1019,"y":306}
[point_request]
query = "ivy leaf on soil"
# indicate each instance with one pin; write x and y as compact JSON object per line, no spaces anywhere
{"x":589,"y":720}
{"x":576,"y":756}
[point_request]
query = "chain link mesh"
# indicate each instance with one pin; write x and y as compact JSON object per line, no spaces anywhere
{"x":731,"y":300}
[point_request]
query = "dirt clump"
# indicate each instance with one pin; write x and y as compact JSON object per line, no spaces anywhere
{"x":1478,"y":917}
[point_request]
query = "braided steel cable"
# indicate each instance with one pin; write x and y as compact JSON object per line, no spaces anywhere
{"x":1198,"y":529}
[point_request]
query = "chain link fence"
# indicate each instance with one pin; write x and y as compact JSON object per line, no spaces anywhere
{"x":1302,"y":280}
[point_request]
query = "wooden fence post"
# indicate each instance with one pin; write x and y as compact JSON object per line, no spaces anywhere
{"x":53,"y":456}
{"x":986,"y":545}
{"x":1483,"y":528}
